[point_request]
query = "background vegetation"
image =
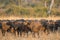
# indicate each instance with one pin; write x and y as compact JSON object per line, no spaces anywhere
{"x":29,"y":8}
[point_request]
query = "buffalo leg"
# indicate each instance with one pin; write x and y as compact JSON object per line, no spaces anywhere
{"x":27,"y":34}
{"x":3,"y":32}
{"x":33,"y":34}
{"x":38,"y":34}
{"x":20,"y":33}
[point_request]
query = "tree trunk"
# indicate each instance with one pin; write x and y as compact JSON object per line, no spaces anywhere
{"x":50,"y":7}
{"x":45,"y":4}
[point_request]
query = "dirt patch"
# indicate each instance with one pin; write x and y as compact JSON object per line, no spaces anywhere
{"x":16,"y":18}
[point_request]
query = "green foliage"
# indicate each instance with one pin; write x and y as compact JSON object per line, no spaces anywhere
{"x":24,"y":12}
{"x":32,"y":8}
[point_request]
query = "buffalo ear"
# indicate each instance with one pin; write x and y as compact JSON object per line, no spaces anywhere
{"x":28,"y":23}
{"x":7,"y":23}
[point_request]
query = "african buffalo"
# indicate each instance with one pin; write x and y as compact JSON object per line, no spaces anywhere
{"x":4,"y":28}
{"x":22,"y":27}
{"x":52,"y":26}
{"x":36,"y":27}
{"x":57,"y":24}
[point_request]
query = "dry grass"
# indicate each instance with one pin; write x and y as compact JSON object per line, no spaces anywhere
{"x":51,"y":36}
{"x":15,"y":18}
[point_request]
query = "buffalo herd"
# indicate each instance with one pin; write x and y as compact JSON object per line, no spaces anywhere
{"x":18,"y":27}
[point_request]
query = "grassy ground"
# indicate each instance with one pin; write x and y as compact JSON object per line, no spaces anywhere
{"x":51,"y":36}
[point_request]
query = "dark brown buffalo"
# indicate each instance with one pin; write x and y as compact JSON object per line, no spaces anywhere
{"x":44,"y":24}
{"x":57,"y":24}
{"x":51,"y":26}
{"x":0,"y":25}
{"x":22,"y":27}
{"x":12,"y":26}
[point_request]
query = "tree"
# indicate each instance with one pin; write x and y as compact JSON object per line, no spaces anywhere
{"x":50,"y":7}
